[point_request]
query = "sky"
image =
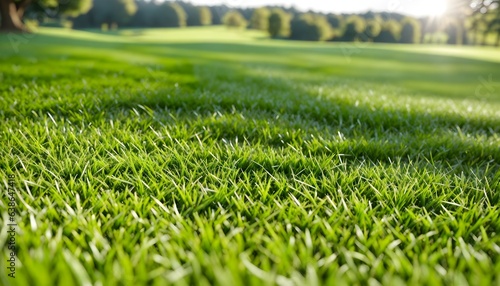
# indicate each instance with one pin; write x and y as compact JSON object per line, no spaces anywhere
{"x":410,"y":7}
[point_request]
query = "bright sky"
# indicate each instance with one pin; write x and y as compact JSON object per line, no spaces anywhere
{"x":410,"y":7}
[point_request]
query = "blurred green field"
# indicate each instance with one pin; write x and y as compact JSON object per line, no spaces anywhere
{"x":211,"y":156}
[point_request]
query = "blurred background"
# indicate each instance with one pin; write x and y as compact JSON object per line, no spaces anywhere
{"x":458,"y":22}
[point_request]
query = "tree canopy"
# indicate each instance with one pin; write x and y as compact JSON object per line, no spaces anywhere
{"x":234,"y":19}
{"x":390,"y":33}
{"x":260,"y":19}
{"x":309,"y":27}
{"x":113,"y":11}
{"x":355,"y":26}
{"x":411,"y":32}
{"x":12,"y":11}
{"x":169,"y":15}
{"x":279,"y":23}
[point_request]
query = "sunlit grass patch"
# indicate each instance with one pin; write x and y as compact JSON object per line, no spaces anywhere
{"x":225,"y":163}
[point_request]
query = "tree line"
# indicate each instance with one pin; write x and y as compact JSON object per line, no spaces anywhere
{"x":466,"y":22}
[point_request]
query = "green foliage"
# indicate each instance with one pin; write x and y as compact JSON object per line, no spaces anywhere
{"x":373,"y":29}
{"x":163,"y":160}
{"x":144,"y":17}
{"x":260,"y":19}
{"x":192,"y":13}
{"x":74,"y":7}
{"x":279,"y":23}
{"x":196,"y":15}
{"x":494,"y":26}
{"x":493,"y":12}
{"x":355,"y":26}
{"x":390,"y":33}
{"x":169,"y":15}
{"x":217,"y":15}
{"x":439,"y":38}
{"x":234,"y":19}
{"x":478,"y":26}
{"x":65,"y":7}
{"x":113,"y":11}
{"x":310,"y":27}
{"x":65,"y":24}
{"x":205,"y":16}
{"x":454,"y":32}
{"x":473,"y":20}
{"x":337,"y":23}
{"x":465,"y":21}
{"x":411,"y":32}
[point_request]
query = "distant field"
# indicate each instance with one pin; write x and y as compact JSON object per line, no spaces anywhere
{"x":212,"y":156}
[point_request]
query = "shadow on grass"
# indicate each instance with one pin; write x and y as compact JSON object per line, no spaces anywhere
{"x":446,"y":76}
{"x":233,"y":104}
{"x":294,"y":113}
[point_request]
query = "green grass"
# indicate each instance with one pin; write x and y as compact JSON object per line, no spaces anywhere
{"x":206,"y":156}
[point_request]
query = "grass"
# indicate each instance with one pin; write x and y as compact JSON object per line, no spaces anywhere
{"x":206,"y":156}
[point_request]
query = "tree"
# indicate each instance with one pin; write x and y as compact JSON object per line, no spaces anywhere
{"x":205,"y":16}
{"x":309,"y":27}
{"x":494,"y":26}
{"x":337,"y":23}
{"x":218,"y":13}
{"x":144,"y":15}
{"x":411,"y":32}
{"x":323,"y":28}
{"x":390,"y":33}
{"x":455,"y":29}
{"x":454,"y":32}
{"x":12,"y":11}
{"x":191,"y":12}
{"x":455,"y":18}
{"x":113,"y":12}
{"x":169,"y":15}
{"x":300,"y":28}
{"x":486,"y":18}
{"x":195,"y":15}
{"x":246,"y":13}
{"x":279,"y":23}
{"x":355,"y":26}
{"x":260,"y":19}
{"x":234,"y":19}
{"x":478,"y":25}
{"x":372,"y":30}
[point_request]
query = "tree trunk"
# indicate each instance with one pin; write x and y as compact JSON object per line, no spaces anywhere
{"x":21,"y":7}
{"x":11,"y":18}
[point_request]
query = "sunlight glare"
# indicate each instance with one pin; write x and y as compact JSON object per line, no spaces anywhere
{"x":433,"y":8}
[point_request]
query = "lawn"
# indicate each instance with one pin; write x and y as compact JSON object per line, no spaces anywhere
{"x":207,"y":156}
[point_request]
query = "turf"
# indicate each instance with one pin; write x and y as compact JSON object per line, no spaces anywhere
{"x":209,"y":156}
